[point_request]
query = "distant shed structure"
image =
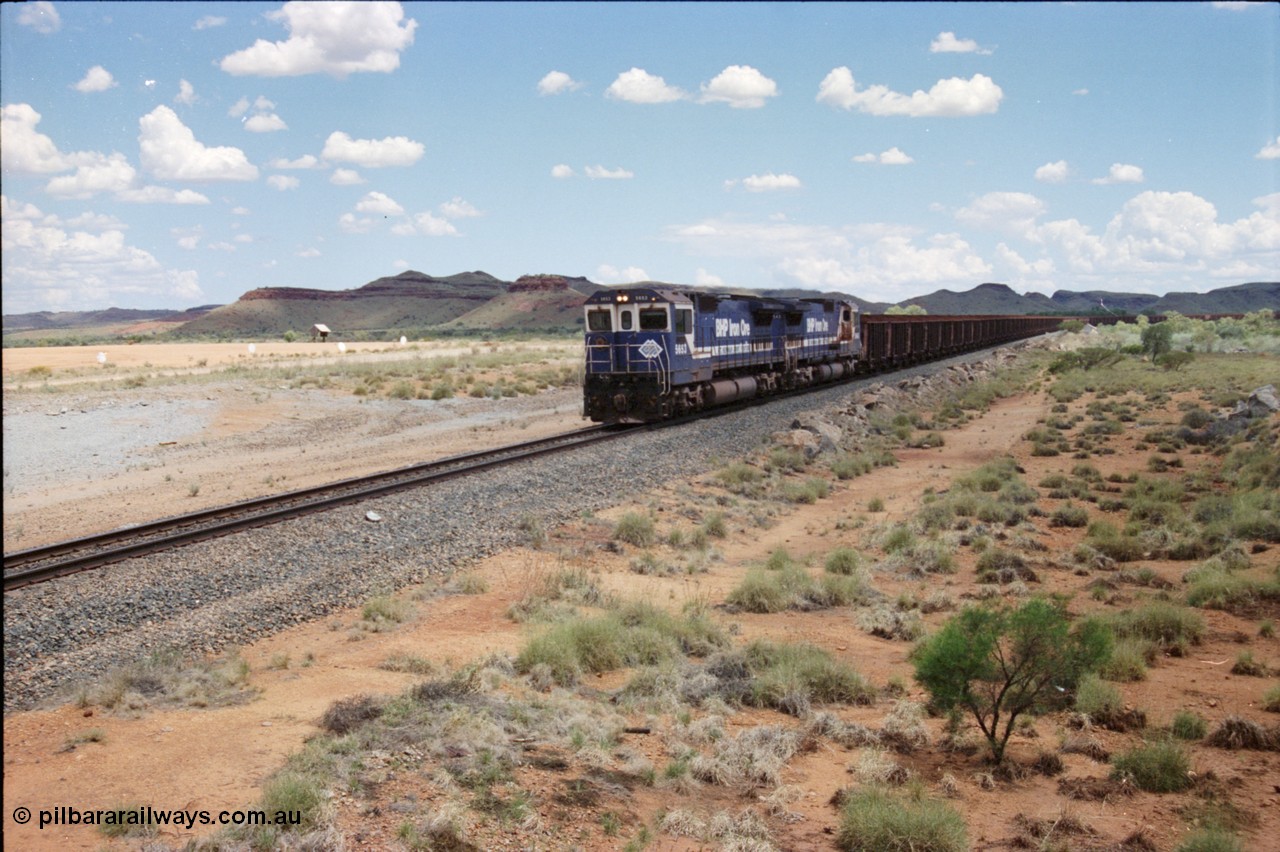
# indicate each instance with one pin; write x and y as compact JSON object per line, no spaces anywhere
{"x":321,"y":331}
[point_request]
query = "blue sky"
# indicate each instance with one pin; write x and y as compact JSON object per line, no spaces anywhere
{"x":176,"y":154}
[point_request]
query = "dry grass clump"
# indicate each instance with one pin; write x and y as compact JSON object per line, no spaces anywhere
{"x":875,"y":819}
{"x":384,"y":613}
{"x":167,"y":678}
{"x":904,"y":727}
{"x":754,"y":757}
{"x":1236,"y":732}
{"x":347,"y":714}
{"x":637,"y":634}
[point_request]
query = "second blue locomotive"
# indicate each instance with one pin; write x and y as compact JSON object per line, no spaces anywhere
{"x":654,"y":353}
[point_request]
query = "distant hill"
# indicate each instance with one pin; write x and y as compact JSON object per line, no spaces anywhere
{"x":410,"y":300}
{"x":999,"y":299}
{"x":476,"y":302}
{"x":532,"y":302}
{"x":1240,"y":299}
{"x":47,"y":320}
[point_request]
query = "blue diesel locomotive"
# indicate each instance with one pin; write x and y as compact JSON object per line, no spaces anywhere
{"x":656,"y":353}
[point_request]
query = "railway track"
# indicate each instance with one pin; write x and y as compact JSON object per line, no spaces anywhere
{"x":38,"y":564}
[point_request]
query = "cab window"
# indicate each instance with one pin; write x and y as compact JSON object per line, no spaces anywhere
{"x":684,"y":321}
{"x":600,"y":320}
{"x":625,"y":319}
{"x":653,"y":319}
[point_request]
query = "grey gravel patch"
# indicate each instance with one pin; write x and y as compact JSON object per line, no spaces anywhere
{"x":85,"y":442}
{"x":240,"y":588}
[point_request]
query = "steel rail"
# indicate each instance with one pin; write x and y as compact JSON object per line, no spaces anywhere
{"x":124,"y":543}
{"x":38,"y":564}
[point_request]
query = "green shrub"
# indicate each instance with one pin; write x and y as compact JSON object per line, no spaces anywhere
{"x":851,"y":466}
{"x":1271,"y":701}
{"x":790,"y":676}
{"x":739,"y":476}
{"x":635,"y":528}
{"x":999,"y":664}
{"x":1157,"y":767}
{"x":873,"y":819}
{"x":1069,"y":516}
{"x":1210,"y":840}
{"x":1129,"y":659}
{"x":1173,"y":628}
{"x":898,"y":538}
{"x":634,"y":635}
{"x":1098,"y":700}
{"x":1188,"y":725}
{"x":714,"y":525}
{"x":787,"y":459}
{"x":1246,"y":665}
{"x":385,"y":611}
{"x":843,"y":560}
{"x":764,"y":591}
{"x":1213,"y":587}
{"x":808,"y":492}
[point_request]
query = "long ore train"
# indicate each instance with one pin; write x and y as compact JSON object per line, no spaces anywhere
{"x":655,"y":353}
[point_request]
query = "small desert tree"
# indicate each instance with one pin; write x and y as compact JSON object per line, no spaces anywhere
{"x":999,"y":663}
{"x":906,"y":310}
{"x":1157,"y":338}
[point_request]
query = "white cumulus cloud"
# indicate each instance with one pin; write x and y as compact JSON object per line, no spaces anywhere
{"x":53,"y":265}
{"x":607,"y":274}
{"x":283,"y":182}
{"x":265,"y":123}
{"x":895,"y":156}
{"x":1053,"y":172}
{"x":379,"y":203}
{"x":41,"y":16}
{"x":306,"y":161}
{"x":96,"y":79}
{"x":601,"y":173}
{"x":556,"y":82}
{"x":1270,"y":151}
{"x":94,"y":173}
{"x":946,"y":42}
{"x":739,"y":86}
{"x":345,"y":177}
{"x":769,"y":182}
{"x":162,"y":195}
{"x":170,"y":151}
{"x":1121,"y":173}
{"x":457,"y":208}
{"x":372,"y":153}
{"x":426,"y":225}
{"x":25,"y":150}
{"x":337,"y":38}
{"x":209,"y":22}
{"x":1011,"y":212}
{"x":186,"y":93}
{"x":560,"y":171}
{"x":638,"y":86}
{"x":952,"y":97}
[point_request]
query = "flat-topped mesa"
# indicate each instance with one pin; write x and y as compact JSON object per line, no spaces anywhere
{"x":477,"y":286}
{"x":538,"y":284}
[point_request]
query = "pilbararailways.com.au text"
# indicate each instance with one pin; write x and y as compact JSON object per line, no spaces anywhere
{"x":145,"y":815}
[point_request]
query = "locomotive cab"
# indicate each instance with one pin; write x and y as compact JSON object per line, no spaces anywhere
{"x":638,"y":345}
